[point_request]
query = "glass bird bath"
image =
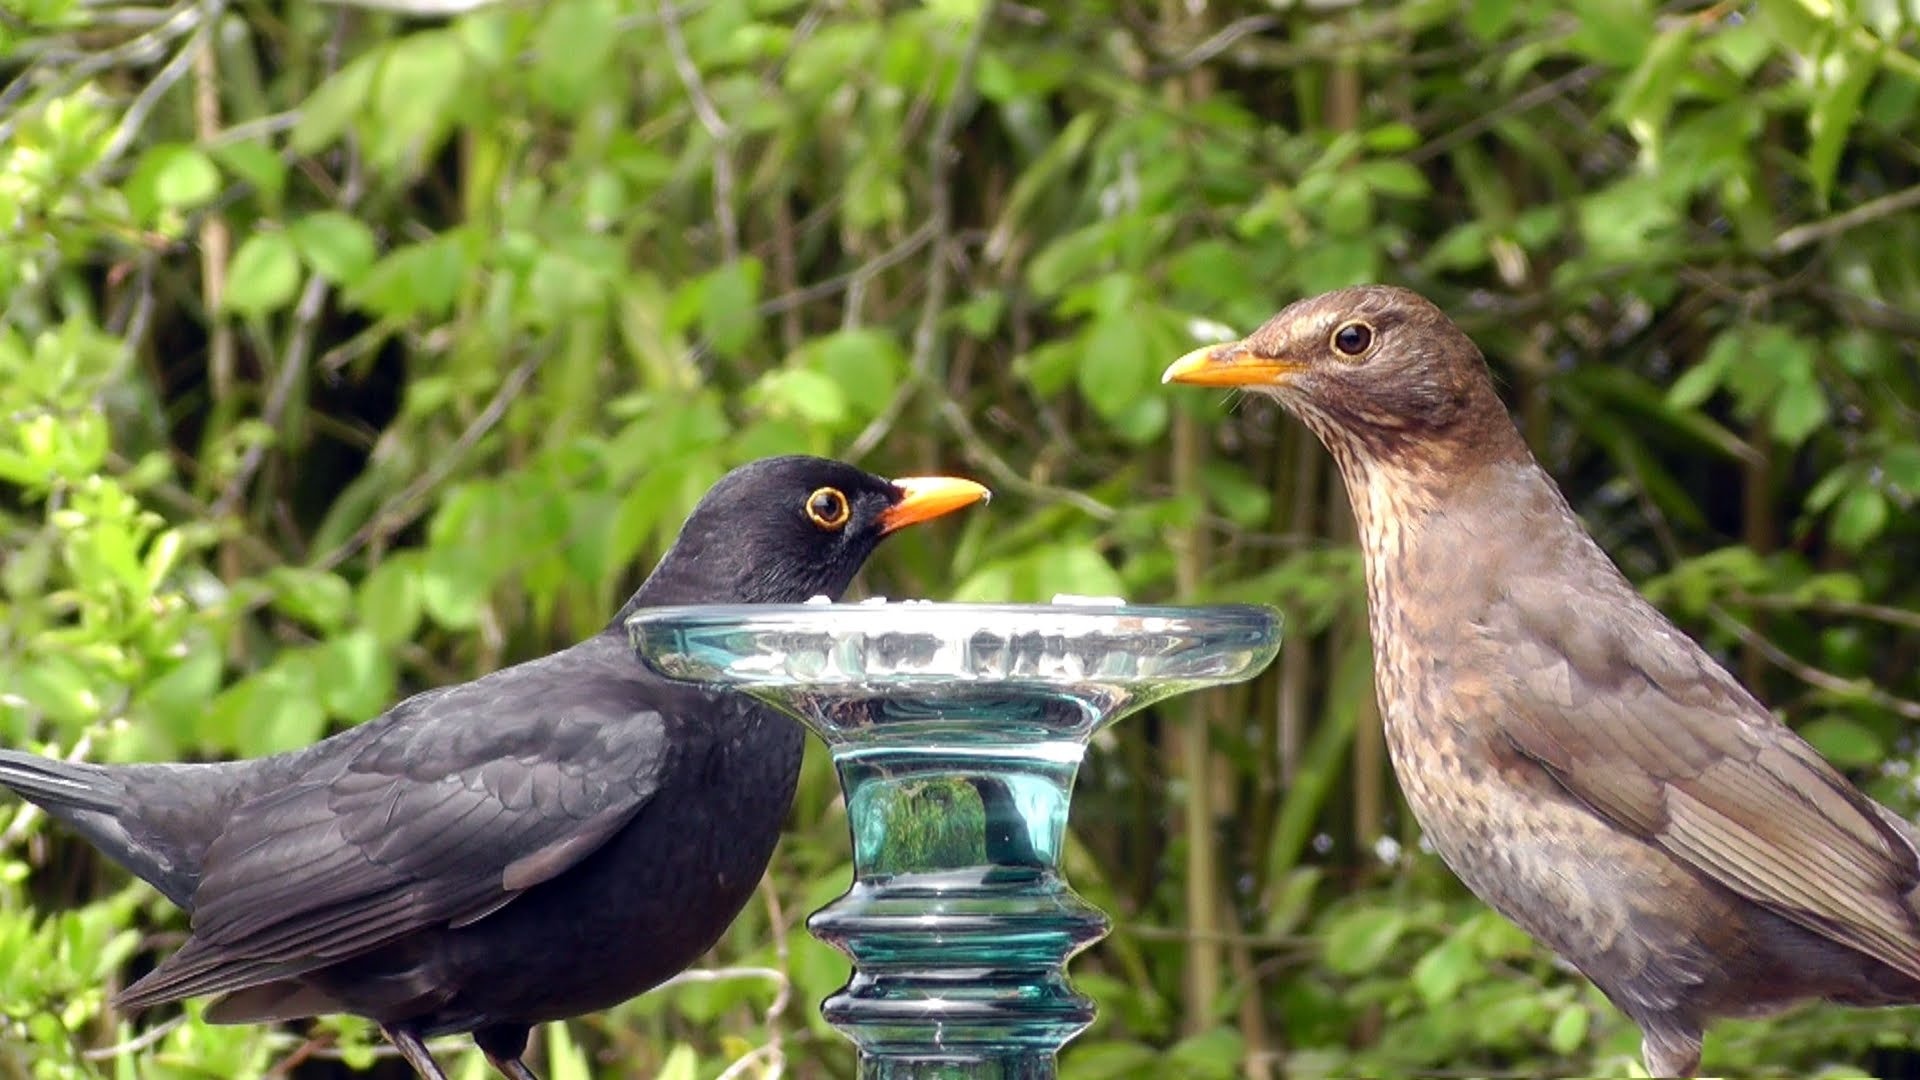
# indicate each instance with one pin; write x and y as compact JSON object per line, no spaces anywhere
{"x":957,"y":730}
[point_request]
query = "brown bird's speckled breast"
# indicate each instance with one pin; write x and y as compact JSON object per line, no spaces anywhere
{"x":1656,"y":932}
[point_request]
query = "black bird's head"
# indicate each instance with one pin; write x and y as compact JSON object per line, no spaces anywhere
{"x":784,"y":529}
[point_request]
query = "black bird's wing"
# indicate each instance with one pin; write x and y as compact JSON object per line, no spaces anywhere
{"x":438,"y":815}
{"x":1639,"y":723}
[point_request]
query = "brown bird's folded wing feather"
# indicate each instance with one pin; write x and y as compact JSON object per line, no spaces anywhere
{"x":1636,"y":721}
{"x":391,"y":840}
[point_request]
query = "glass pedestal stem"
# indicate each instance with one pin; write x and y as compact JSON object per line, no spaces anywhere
{"x":957,"y":731}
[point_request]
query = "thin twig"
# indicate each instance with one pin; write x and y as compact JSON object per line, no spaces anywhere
{"x":1218,"y":42}
{"x":260,"y":127}
{"x":1006,"y":476}
{"x":426,"y":9}
{"x":143,"y":49}
{"x":134,"y":1045}
{"x":293,"y":358}
{"x":1845,"y":608}
{"x":397,"y":512}
{"x":1800,"y":236}
{"x":300,"y":1054}
{"x":717,"y":129}
{"x":726,"y":974}
{"x":1576,"y":79}
{"x":826,"y":287}
{"x":743,"y":1062}
{"x":777,"y":920}
{"x":939,"y":227}
{"x":1856,"y":689}
{"x":135,"y":118}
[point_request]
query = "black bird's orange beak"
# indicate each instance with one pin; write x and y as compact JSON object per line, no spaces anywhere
{"x":1232,"y":364}
{"x":928,"y":497}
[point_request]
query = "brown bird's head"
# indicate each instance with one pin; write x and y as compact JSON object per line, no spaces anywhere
{"x":1381,"y":375}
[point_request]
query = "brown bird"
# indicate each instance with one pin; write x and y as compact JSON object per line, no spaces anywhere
{"x":1585,"y":767}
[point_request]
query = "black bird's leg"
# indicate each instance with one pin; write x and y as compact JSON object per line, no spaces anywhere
{"x":505,"y":1046}
{"x":414,"y":1051}
{"x":512,"y":1068}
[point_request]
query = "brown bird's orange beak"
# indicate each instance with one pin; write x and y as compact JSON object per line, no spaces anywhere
{"x":1232,"y":364}
{"x":928,"y":497}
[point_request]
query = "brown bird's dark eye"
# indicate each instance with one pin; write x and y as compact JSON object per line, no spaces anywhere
{"x":1353,"y":339}
{"x":827,"y":508}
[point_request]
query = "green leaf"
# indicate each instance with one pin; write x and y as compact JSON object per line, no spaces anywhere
{"x":1614,"y":32}
{"x":564,"y":289}
{"x":1859,"y":518}
{"x":356,"y":676}
{"x":256,"y":165}
{"x":263,"y":275}
{"x":1696,"y":384}
{"x":1848,"y":744}
{"x":453,"y":592}
{"x":1080,"y":569}
{"x":422,"y":279}
{"x":1439,"y":974}
{"x":865,"y":363}
{"x":1622,"y":221}
{"x":1359,"y":940}
{"x":419,"y":85}
{"x":802,"y":393}
{"x":1569,"y":1030}
{"x":570,"y":52}
{"x":728,"y":296}
{"x":280,"y":708}
{"x":339,"y":101}
{"x":1487,"y":19}
{"x":1840,"y":81}
{"x":337,"y":246}
{"x":1115,"y":367}
{"x":173,"y":176}
{"x":1336,"y":263}
{"x":1211,"y":1055}
{"x":1799,"y":411}
{"x":182,"y":692}
{"x":1646,"y":96}
{"x":1242,"y":500}
{"x":1106,"y":1060}
{"x":319,"y":598}
{"x":565,"y":1059}
{"x":390,"y":600}
{"x":1396,"y":179}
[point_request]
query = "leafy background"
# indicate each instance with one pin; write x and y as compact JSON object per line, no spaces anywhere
{"x":349,"y":351}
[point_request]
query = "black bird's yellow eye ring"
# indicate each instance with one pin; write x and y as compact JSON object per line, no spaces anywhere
{"x":1352,"y":339}
{"x":827,"y":508}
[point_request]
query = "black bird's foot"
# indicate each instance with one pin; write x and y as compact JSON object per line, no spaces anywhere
{"x":505,"y":1047}
{"x":414,"y":1051}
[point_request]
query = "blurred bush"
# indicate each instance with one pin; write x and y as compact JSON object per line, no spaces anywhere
{"x":348,"y":351}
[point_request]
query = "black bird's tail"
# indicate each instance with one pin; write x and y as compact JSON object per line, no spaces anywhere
{"x":94,"y":801}
{"x":58,"y":786}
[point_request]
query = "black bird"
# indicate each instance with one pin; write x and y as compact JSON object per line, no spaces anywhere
{"x":548,"y":840}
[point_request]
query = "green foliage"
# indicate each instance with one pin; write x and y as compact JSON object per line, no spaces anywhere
{"x":347,"y":354}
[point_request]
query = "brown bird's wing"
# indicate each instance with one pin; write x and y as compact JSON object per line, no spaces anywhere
{"x":438,"y":814}
{"x":1636,"y":721}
